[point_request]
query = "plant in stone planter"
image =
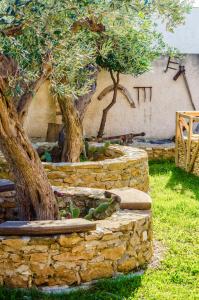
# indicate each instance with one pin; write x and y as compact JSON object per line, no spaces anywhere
{"x":71,"y":212}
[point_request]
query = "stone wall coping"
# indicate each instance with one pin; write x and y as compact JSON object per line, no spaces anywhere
{"x":121,"y":221}
{"x":125,"y":152}
{"x":46,"y":227}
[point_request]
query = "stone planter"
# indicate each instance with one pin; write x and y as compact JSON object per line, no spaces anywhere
{"x":119,"y":244}
{"x":130,"y":169}
{"x":124,"y":167}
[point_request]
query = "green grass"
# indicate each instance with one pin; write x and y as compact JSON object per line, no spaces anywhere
{"x":176,"y":224}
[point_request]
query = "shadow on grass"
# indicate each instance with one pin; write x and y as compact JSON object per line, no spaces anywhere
{"x":108,"y":289}
{"x":179,"y":180}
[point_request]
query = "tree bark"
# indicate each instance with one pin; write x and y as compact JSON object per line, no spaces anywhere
{"x":106,"y":110}
{"x":73,"y":113}
{"x":73,"y":131}
{"x":34,"y":193}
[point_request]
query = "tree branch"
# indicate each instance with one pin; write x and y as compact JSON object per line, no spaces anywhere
{"x":112,"y":76}
{"x":32,"y":89}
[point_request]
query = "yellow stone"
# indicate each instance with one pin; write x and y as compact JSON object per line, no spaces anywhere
{"x":127,"y":264}
{"x":39,"y":257}
{"x":97,"y":270}
{"x":68,"y":256}
{"x":113,"y":253}
{"x":69,"y":241}
{"x":15,"y":243}
{"x":16,"y":281}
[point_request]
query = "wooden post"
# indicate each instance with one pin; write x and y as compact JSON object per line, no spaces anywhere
{"x":189,"y":138}
{"x":177,"y":139}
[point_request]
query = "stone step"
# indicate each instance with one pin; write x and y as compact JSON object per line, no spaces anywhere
{"x":133,"y":199}
{"x":38,"y":228}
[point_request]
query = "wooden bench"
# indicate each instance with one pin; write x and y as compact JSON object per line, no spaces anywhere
{"x":41,"y":228}
{"x":133,"y":199}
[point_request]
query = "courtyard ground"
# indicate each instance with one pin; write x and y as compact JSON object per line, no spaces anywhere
{"x":176,"y":229}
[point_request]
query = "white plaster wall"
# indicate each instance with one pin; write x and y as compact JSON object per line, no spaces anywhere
{"x":155,"y":118}
{"x":41,"y":112}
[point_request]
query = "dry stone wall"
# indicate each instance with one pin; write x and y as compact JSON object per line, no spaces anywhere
{"x":119,"y":244}
{"x":157,"y":151}
{"x":128,"y":167}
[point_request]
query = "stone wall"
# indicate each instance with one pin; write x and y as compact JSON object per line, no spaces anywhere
{"x":157,"y":151}
{"x":182,"y":160}
{"x":130,"y":169}
{"x":119,"y":244}
{"x":8,"y":207}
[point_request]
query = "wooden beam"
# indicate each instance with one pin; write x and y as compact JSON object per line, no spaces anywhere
{"x":189,"y":136}
{"x":177,"y":140}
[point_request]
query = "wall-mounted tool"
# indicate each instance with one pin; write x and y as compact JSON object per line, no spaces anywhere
{"x":172,"y":63}
{"x":181,"y":71}
{"x":123,"y":139}
{"x":144,"y":90}
{"x":122,"y":89}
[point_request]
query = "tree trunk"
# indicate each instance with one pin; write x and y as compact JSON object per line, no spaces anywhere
{"x":73,"y":135}
{"x":106,"y":110}
{"x":34,"y":193}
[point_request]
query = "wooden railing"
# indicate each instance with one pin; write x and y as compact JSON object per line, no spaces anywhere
{"x":186,"y":123}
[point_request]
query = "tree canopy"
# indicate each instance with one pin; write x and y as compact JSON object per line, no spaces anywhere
{"x":61,"y":38}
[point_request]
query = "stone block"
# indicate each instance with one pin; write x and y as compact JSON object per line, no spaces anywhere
{"x":97,"y":270}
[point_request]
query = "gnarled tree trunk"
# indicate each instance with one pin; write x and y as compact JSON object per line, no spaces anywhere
{"x":73,"y":135}
{"x":34,"y":193}
{"x":106,"y":110}
{"x":73,"y":114}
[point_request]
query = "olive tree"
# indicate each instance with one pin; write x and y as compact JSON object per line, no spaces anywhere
{"x":61,"y":41}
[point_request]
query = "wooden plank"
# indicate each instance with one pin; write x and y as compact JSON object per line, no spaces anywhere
{"x":6,"y":185}
{"x":189,"y":113}
{"x":190,"y":167}
{"x":190,"y":132}
{"x":40,"y":228}
{"x":183,"y":141}
{"x":185,"y":116}
{"x":177,"y":140}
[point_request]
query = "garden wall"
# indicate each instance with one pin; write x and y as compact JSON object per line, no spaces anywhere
{"x":119,"y":244}
{"x":158,"y":151}
{"x":129,"y":168}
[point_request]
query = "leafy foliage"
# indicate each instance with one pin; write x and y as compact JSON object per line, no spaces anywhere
{"x":70,"y":34}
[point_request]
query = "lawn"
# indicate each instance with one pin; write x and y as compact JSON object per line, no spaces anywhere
{"x":176,"y":225}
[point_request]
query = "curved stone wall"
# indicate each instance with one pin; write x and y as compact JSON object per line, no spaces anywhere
{"x":120,"y":243}
{"x":130,"y":169}
{"x":125,"y":167}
